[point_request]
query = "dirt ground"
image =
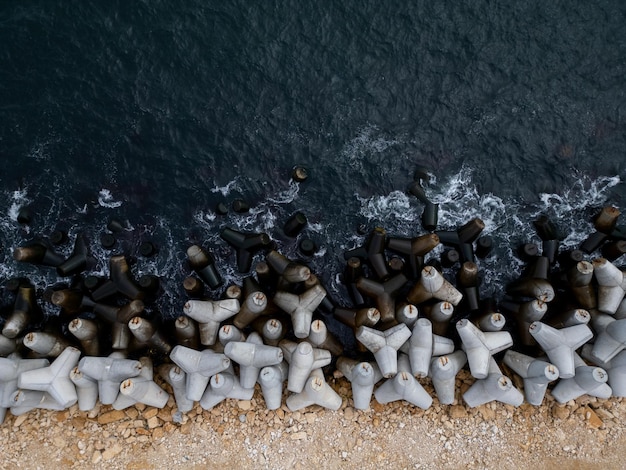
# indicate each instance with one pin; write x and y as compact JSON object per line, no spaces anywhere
{"x":586,"y":434}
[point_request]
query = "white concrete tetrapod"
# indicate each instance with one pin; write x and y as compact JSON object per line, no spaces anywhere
{"x":611,"y":341}
{"x":23,"y":401}
{"x":403,"y":386}
{"x":252,"y":356}
{"x":87,"y":333}
{"x":109,"y":372}
{"x":362,"y":376}
{"x":443,"y":371}
{"x":224,"y":385}
{"x":610,"y":285}
{"x":315,"y":392}
{"x":209,"y":314}
{"x":272,"y":379}
{"x":480,"y":346}
{"x":300,"y":307}
{"x":7,"y":345}
{"x":199,"y":367}
{"x":423,"y":345}
{"x":54,"y":379}
{"x":495,"y":387}
{"x":588,"y":380}
{"x":320,"y":337}
{"x":253,"y":307}
{"x":433,"y":285}
{"x":177,"y":378}
{"x":537,"y":374}
{"x":491,"y":322}
{"x":230,"y":333}
{"x":302,"y":359}
{"x":615,"y":368}
{"x":141,"y":389}
{"x":384,"y":345}
{"x":10,"y":369}
{"x":45,"y":344}
{"x":407,"y":314}
{"x":559,"y":345}
{"x":86,"y":389}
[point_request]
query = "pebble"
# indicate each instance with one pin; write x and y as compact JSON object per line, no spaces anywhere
{"x":297,"y":436}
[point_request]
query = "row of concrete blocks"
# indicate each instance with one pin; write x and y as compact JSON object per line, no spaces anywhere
{"x":208,"y":377}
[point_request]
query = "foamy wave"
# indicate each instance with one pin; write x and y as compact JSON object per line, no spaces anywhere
{"x":228,"y":188}
{"x":395,"y":209}
{"x":366,"y":144}
{"x":19,"y":199}
{"x":105,"y":199}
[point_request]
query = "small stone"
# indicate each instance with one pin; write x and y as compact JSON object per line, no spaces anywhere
{"x":458,"y":411}
{"x":348,"y":413}
{"x":593,"y":420}
{"x":59,"y":442}
{"x":111,"y":452}
{"x":244,"y":405}
{"x":151,"y":412}
{"x":153,"y":422}
{"x":560,"y":412}
{"x":186,"y":428}
{"x":158,"y":433}
{"x":111,"y":417}
{"x":96,"y":457}
{"x":298,"y":436}
{"x":19,"y":420}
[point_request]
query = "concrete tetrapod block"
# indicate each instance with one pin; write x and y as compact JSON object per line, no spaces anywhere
{"x":177,"y":378}
{"x":10,"y":369}
{"x":560,"y":345}
{"x":300,"y":307}
{"x":320,"y":337}
{"x":209,"y":314}
{"x":302,"y":359}
{"x":384,"y":345}
{"x":252,"y":308}
{"x":611,"y":341}
{"x":199,"y":367}
{"x":252,"y":356}
{"x":224,"y":385}
{"x":109,"y":372}
{"x":495,"y":386}
{"x":271,"y":379}
{"x":87,"y":333}
{"x":44,"y":343}
{"x":589,"y":380}
{"x":315,"y":392}
{"x":610,"y":285}
{"x":403,"y":386}
{"x":443,"y":371}
{"x":7,"y":345}
{"x":86,"y":389}
{"x":535,"y":373}
{"x":491,"y":322}
{"x":480,"y":346}
{"x":362,"y":376}
{"x":230,"y":333}
{"x":433,"y":285}
{"x":272,"y":332}
{"x":423,"y":345}
{"x":54,"y":379}
{"x":616,"y":368}
{"x":141,"y":389}
{"x":23,"y":401}
{"x":407,"y":314}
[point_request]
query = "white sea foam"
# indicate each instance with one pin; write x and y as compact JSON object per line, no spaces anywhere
{"x":228,"y":188}
{"x":367,"y":145}
{"x":105,"y":199}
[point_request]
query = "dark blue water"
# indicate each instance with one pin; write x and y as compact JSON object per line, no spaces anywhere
{"x":154,"y":111}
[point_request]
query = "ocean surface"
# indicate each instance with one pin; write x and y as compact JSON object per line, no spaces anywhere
{"x":153,"y":112}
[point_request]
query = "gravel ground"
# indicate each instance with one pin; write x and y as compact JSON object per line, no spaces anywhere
{"x":585,"y":434}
